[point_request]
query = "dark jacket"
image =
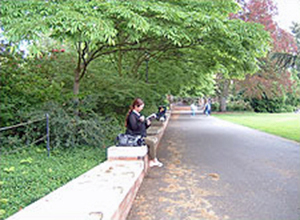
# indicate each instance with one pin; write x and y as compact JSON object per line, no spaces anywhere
{"x":135,"y":126}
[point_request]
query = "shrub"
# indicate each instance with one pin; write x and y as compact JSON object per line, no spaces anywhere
{"x":86,"y":128}
{"x":66,"y":129}
{"x":276,"y":105}
{"x":239,"y":105}
{"x":215,"y":106}
{"x":24,"y":84}
{"x":288,"y":108}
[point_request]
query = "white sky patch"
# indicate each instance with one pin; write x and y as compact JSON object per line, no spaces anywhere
{"x":288,"y":12}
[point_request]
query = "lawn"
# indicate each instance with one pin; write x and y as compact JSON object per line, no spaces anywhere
{"x":286,"y":125}
{"x":28,"y":175}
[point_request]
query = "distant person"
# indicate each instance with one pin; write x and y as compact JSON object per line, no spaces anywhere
{"x":137,"y":124}
{"x":207,"y":109}
{"x":193,"y":109}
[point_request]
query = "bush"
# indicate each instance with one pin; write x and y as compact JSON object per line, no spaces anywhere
{"x":24,"y":84}
{"x":86,"y":128}
{"x":66,"y":129}
{"x":239,"y":105}
{"x":112,"y":96}
{"x":276,"y":105}
{"x":288,"y":108}
{"x":215,"y":106}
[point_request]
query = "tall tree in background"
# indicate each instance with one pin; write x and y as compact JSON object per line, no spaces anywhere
{"x":268,"y":82}
{"x":286,"y":60}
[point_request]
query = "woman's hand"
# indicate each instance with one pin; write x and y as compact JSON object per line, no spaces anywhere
{"x":142,"y":118}
{"x":148,"y":122}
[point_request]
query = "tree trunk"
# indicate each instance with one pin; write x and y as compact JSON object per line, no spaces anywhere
{"x":76,"y":90}
{"x":76,"y":83}
{"x":224,"y":94}
{"x":223,"y":104}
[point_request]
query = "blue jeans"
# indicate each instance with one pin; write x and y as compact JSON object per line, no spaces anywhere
{"x":193,"y":112}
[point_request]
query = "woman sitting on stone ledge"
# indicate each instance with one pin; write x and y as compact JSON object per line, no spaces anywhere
{"x":136,"y":124}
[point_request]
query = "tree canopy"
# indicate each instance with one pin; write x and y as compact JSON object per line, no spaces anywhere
{"x":269,"y":81}
{"x":274,"y":87}
{"x":99,"y":28}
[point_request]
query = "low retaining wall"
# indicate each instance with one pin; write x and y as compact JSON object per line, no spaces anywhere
{"x":105,"y":192}
{"x":100,"y":193}
{"x":185,"y":110}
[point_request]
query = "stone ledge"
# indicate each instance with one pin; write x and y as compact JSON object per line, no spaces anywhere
{"x":127,"y":152}
{"x":105,"y":192}
{"x":157,"y":124}
{"x":97,"y":194}
{"x":154,"y":130}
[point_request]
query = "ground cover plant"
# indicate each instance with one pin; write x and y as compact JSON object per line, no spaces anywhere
{"x":29,"y":174}
{"x":286,"y":125}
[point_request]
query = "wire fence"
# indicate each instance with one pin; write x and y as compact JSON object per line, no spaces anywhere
{"x":24,"y":124}
{"x":27,"y":173}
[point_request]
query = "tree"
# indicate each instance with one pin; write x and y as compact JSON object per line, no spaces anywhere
{"x":285,"y":60}
{"x":268,"y":82}
{"x":26,"y":83}
{"x":100,"y":28}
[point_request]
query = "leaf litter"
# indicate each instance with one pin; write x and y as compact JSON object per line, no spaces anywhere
{"x":179,"y":197}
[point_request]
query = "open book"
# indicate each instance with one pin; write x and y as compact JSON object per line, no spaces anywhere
{"x":152,"y":116}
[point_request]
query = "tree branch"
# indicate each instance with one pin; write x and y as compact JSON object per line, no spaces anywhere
{"x":118,"y":48}
{"x":84,"y":52}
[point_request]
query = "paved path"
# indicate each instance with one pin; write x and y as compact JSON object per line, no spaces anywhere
{"x":218,"y":170}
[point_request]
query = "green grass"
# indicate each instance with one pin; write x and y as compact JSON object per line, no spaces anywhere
{"x":286,"y":125}
{"x":28,"y":175}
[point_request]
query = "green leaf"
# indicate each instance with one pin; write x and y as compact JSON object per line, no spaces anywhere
{"x":3,"y":201}
{"x":26,"y":161}
{"x":9,"y":170}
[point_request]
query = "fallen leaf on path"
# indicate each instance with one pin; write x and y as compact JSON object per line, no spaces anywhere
{"x":172,"y":188}
{"x":209,"y":214}
{"x":177,"y":162}
{"x":170,"y":211}
{"x":214,"y":176}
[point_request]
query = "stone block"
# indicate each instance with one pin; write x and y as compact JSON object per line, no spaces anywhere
{"x":154,"y":130}
{"x":157,"y":124}
{"x":127,"y":153}
{"x":105,"y":192}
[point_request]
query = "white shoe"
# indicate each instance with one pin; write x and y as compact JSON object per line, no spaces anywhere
{"x":159,"y":164}
{"x":156,"y":163}
{"x":151,"y":163}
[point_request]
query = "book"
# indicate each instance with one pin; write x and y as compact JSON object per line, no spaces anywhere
{"x":152,"y":116}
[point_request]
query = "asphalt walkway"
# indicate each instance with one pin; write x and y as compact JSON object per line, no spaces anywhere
{"x":218,"y":170}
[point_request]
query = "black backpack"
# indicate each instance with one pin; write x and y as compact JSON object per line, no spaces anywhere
{"x":129,"y":140}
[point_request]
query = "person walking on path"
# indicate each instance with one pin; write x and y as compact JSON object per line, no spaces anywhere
{"x":193,"y":109}
{"x":207,"y":110}
{"x":137,"y":124}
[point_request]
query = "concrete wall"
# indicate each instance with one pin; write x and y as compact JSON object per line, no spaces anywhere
{"x":105,"y":192}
